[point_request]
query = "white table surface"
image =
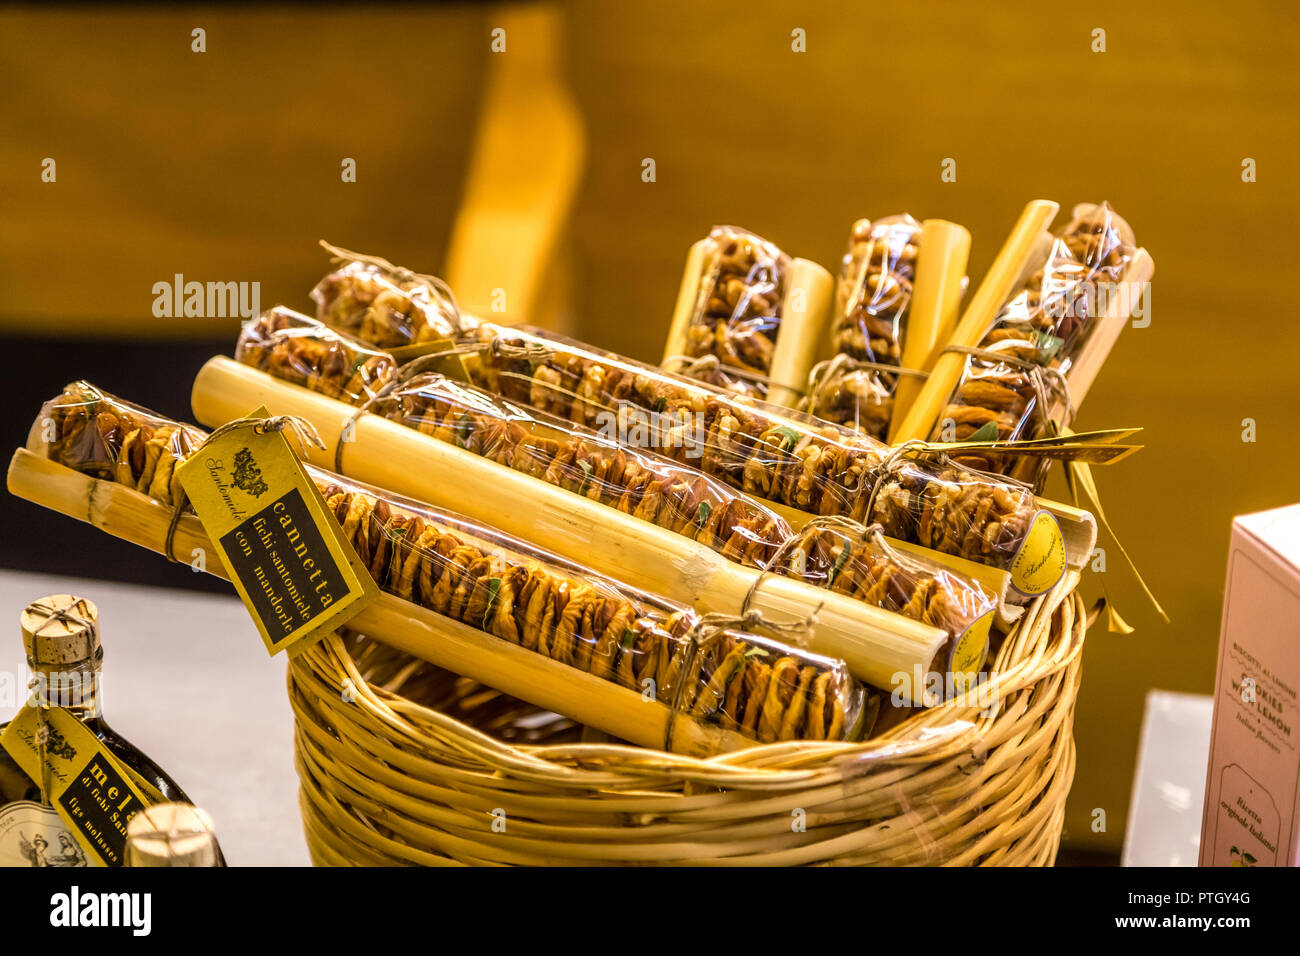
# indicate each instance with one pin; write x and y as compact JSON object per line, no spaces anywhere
{"x":188,"y":681}
{"x":1164,"y":820}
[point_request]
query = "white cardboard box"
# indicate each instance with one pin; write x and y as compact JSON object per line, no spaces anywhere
{"x":1252,"y":788}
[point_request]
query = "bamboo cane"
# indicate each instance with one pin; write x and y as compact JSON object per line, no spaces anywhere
{"x":982,"y":308}
{"x":687,"y":295}
{"x":139,"y":519}
{"x":877,"y":645}
{"x":1111,"y":323}
{"x":940,"y":266}
{"x":803,"y":325}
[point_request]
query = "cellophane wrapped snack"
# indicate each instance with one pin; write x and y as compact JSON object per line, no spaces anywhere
{"x":852,"y":393}
{"x":872,"y":296}
{"x":298,"y":349}
{"x":1041,"y":330}
{"x":386,"y":305}
{"x":596,"y":458}
{"x":875,"y":288}
{"x":113,"y":440}
{"x":771,"y":453}
{"x":587,"y":463}
{"x":800,"y":462}
{"x":497,"y":584}
{"x":858,"y":562}
{"x":737,"y":314}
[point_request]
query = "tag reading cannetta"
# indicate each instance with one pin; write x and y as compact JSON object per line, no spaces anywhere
{"x":284,"y":550}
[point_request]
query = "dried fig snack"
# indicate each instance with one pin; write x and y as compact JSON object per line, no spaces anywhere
{"x":301,"y":350}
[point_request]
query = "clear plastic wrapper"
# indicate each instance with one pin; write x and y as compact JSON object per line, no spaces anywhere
{"x":113,"y":440}
{"x":873,"y":292}
{"x":575,"y":616}
{"x":737,"y":314}
{"x":711,"y":371}
{"x":386,"y":305}
{"x":875,"y":288}
{"x":751,"y":684}
{"x":1014,"y":386}
{"x":772,"y":453}
{"x":858,"y":395}
{"x":641,"y":484}
{"x":858,"y":562}
{"x":655,"y":488}
{"x":301,"y":350}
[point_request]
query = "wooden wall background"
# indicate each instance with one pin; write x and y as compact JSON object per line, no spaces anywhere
{"x":225,"y":165}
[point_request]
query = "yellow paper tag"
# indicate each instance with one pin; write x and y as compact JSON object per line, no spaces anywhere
{"x":969,"y":651}
{"x":1040,"y":562}
{"x":93,"y":792}
{"x":1096,"y":447}
{"x":448,"y":362}
{"x":283,"y":549}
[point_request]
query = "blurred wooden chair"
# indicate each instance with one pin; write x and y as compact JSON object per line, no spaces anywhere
{"x":507,"y":258}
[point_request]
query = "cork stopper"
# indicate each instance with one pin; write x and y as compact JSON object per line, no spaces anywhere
{"x":60,"y":631}
{"x":171,"y":834}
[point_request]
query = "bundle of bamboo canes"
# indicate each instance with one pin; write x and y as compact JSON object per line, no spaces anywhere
{"x":725,"y":687}
{"x":876,"y":644}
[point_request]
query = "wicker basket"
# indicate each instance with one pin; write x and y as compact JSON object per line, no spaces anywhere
{"x":403,"y":763}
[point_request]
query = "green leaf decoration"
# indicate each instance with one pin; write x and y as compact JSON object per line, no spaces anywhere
{"x":1048,"y":345}
{"x":494,"y":588}
{"x":841,"y":559}
{"x":702,"y":517}
{"x":986,"y":432}
{"x":789,"y":437}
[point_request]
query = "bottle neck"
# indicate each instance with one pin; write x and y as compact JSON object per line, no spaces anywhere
{"x":75,"y":688}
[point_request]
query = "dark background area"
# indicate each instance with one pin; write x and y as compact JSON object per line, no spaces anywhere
{"x":156,"y":375}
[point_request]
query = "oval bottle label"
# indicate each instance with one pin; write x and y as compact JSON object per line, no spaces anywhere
{"x":35,"y":835}
{"x":1040,"y":562}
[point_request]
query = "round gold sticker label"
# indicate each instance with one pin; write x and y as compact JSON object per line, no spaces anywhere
{"x":1040,"y":562}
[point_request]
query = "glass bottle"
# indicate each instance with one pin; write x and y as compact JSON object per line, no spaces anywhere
{"x":171,"y":834}
{"x":64,"y":656}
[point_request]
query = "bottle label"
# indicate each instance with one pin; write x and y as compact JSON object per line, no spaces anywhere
{"x":92,"y":792}
{"x":1040,"y":562}
{"x":284,"y":551}
{"x":969,"y":652}
{"x":35,"y":835}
